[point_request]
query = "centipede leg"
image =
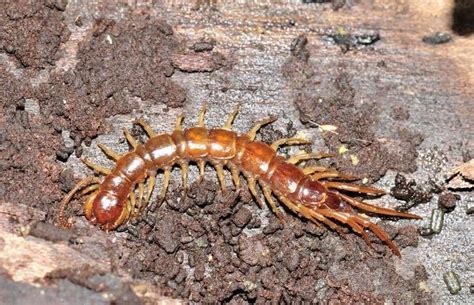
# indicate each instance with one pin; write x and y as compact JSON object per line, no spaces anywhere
{"x":98,"y":168}
{"x":150,"y":186}
{"x":230,"y":120}
{"x":133,"y":203}
{"x":347,"y":219}
{"x":149,"y":131}
{"x":333,"y":174}
{"x":253,"y":131}
{"x":184,"y":175}
{"x":141,"y":192}
{"x":133,"y":142}
{"x":202,"y":113}
{"x":352,"y":188}
{"x":235,"y":175}
{"x":312,"y":169}
{"x":374,"y":209}
{"x":289,"y":141}
{"x":220,"y":176}
{"x":267,"y":192}
{"x":311,"y":215}
{"x":201,"y":165}
{"x":62,"y":221}
{"x":164,"y":189}
{"x":253,"y":190}
{"x":307,"y":156}
{"x":379,"y":232}
{"x":109,"y":152}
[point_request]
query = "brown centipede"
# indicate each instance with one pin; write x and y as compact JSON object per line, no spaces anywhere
{"x":315,"y":192}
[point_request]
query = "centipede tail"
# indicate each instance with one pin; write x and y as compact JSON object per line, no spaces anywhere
{"x":316,"y":193}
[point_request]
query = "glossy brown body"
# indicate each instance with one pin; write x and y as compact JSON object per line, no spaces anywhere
{"x":314,"y":193}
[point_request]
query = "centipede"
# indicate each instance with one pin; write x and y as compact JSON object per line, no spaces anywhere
{"x":317,"y":193}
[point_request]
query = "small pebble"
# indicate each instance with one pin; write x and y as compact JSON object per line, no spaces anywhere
{"x":452,"y":281}
{"x":425,"y":231}
{"x":63,"y":153}
{"x":337,"y":4}
{"x":437,"y":219}
{"x":78,"y":21}
{"x":470,"y":208}
{"x":447,"y":201}
{"x":437,"y":38}
{"x":203,"y":46}
{"x":242,"y":217}
{"x":470,"y":211}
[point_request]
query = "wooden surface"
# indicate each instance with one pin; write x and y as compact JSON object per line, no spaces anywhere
{"x":434,"y":82}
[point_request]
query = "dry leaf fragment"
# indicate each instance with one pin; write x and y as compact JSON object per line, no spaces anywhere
{"x":466,"y":170}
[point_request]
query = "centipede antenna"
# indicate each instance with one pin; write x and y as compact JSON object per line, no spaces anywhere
{"x":253,"y":132}
{"x":202,"y":113}
{"x":230,"y":120}
{"x":62,"y":221}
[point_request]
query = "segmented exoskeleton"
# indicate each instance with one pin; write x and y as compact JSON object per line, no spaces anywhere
{"x":313,"y":192}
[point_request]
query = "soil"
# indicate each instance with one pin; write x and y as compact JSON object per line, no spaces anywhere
{"x":204,"y":246}
{"x":32,"y":32}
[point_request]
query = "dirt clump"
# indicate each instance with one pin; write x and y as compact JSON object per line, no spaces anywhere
{"x":199,"y":61}
{"x":447,"y":201}
{"x":409,"y":191}
{"x":29,"y":170}
{"x":109,"y":74}
{"x":32,"y":31}
{"x":348,"y":41}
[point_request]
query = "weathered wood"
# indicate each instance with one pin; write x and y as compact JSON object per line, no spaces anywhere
{"x":258,"y":61}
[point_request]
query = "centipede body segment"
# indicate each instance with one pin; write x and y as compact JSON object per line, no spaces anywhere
{"x":315,"y":192}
